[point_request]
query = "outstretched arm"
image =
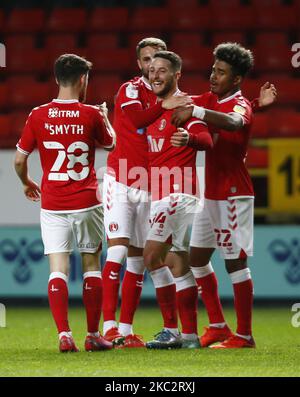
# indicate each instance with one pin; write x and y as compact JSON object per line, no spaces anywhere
{"x":31,"y":189}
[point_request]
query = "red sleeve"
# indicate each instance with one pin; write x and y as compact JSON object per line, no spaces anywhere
{"x":102,"y":132}
{"x":140,"y":117}
{"x":27,"y":142}
{"x":199,"y":135}
{"x":255,"y":105}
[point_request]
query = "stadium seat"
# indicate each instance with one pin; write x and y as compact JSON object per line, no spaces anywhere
{"x":190,"y":19}
{"x":275,"y":17}
{"x":284,"y":123}
{"x":108,"y":19}
{"x":113,"y":60}
{"x":182,"y":40}
{"x":18,"y":122}
{"x":26,"y":92}
{"x":23,"y":20}
{"x":26,"y":60}
{"x":19,"y":41}
{"x":273,"y":60}
{"x":182,"y":4}
{"x":232,"y":18}
{"x":257,"y":158}
{"x":3,"y":95}
{"x":102,"y":41}
{"x":5,"y":131}
{"x":223,"y":37}
{"x":260,"y":128}
{"x":102,"y":88}
{"x":69,"y":20}
{"x":61,"y":42}
{"x":196,"y":59}
{"x":149,"y":18}
{"x":251,"y":87}
{"x":271,"y":39}
{"x":288,"y":88}
{"x":193,"y":84}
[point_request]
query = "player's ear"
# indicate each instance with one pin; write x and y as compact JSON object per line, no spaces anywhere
{"x":177,"y":75}
{"x":237,"y":80}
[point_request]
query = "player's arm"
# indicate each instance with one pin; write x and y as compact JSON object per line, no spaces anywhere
{"x":267,"y":96}
{"x":142,"y":118}
{"x":31,"y":189}
{"x":25,"y":146}
{"x":104,"y":132}
{"x":195,"y":135}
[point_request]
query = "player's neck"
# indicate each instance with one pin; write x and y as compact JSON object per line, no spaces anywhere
{"x":229,"y":93}
{"x":67,"y":93}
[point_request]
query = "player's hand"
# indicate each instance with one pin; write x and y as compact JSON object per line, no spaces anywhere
{"x":180,"y":138}
{"x":103,"y":109}
{"x":32,"y":190}
{"x":181,"y":115}
{"x":176,"y":101}
{"x":267,"y":95}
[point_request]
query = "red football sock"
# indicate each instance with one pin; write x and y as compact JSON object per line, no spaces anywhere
{"x":92,"y":299}
{"x":58,"y":301}
{"x":243,"y":300}
{"x":166,"y":298}
{"x":187,"y":300}
{"x":210,"y":298}
{"x":111,"y":284}
{"x":131,"y":293}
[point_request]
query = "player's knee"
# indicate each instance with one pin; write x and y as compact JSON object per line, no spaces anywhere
{"x":152,"y":259}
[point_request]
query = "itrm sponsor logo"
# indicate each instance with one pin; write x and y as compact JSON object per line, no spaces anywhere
{"x":2,"y":56}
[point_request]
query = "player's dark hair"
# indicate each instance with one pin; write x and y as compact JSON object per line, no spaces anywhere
{"x":175,"y":59}
{"x":69,"y":67}
{"x":239,"y":58}
{"x":150,"y":42}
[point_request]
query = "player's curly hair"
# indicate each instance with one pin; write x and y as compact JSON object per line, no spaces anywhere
{"x":69,"y":67}
{"x":239,"y":58}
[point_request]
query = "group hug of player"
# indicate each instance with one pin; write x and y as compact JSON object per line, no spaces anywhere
{"x":150,"y":197}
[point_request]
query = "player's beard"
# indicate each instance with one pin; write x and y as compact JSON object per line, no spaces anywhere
{"x":169,"y":85}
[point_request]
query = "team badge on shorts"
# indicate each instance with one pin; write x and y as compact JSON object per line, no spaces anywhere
{"x":162,"y":124}
{"x":113,"y":227}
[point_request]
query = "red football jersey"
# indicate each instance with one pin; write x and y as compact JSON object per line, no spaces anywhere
{"x":131,"y":146}
{"x":225,"y":172}
{"x":172,"y":169}
{"x":65,"y":133}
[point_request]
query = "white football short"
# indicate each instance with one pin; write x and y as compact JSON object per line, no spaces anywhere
{"x":226,"y":225}
{"x":60,"y":230}
{"x":126,"y":211}
{"x":171,"y":220}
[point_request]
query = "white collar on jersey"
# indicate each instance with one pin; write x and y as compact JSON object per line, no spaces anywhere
{"x":65,"y":100}
{"x":147,"y":84}
{"x":239,"y":92}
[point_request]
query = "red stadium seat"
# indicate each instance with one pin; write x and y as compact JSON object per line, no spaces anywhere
{"x":22,"y":20}
{"x":276,"y":17}
{"x":182,"y":40}
{"x":288,"y":88}
{"x":112,"y":60}
{"x":103,"y":41}
{"x":224,"y":37}
{"x":232,"y":18}
{"x":251,"y":88}
{"x":60,"y":42}
{"x":149,"y":18}
{"x":193,"y":84}
{"x":69,"y":20}
{"x":18,"y":122}
{"x":260,"y":128}
{"x":19,"y":41}
{"x":26,"y":60}
{"x":108,"y":19}
{"x":191,"y":19}
{"x":3,"y":95}
{"x":102,"y":88}
{"x":257,"y":158}
{"x":196,"y":59}
{"x":284,"y":123}
{"x":26,"y":92}
{"x":271,"y":39}
{"x":182,"y":4}
{"x":5,"y":125}
{"x":273,"y":60}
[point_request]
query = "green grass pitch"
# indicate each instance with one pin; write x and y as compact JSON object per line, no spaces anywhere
{"x":28,"y":347}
